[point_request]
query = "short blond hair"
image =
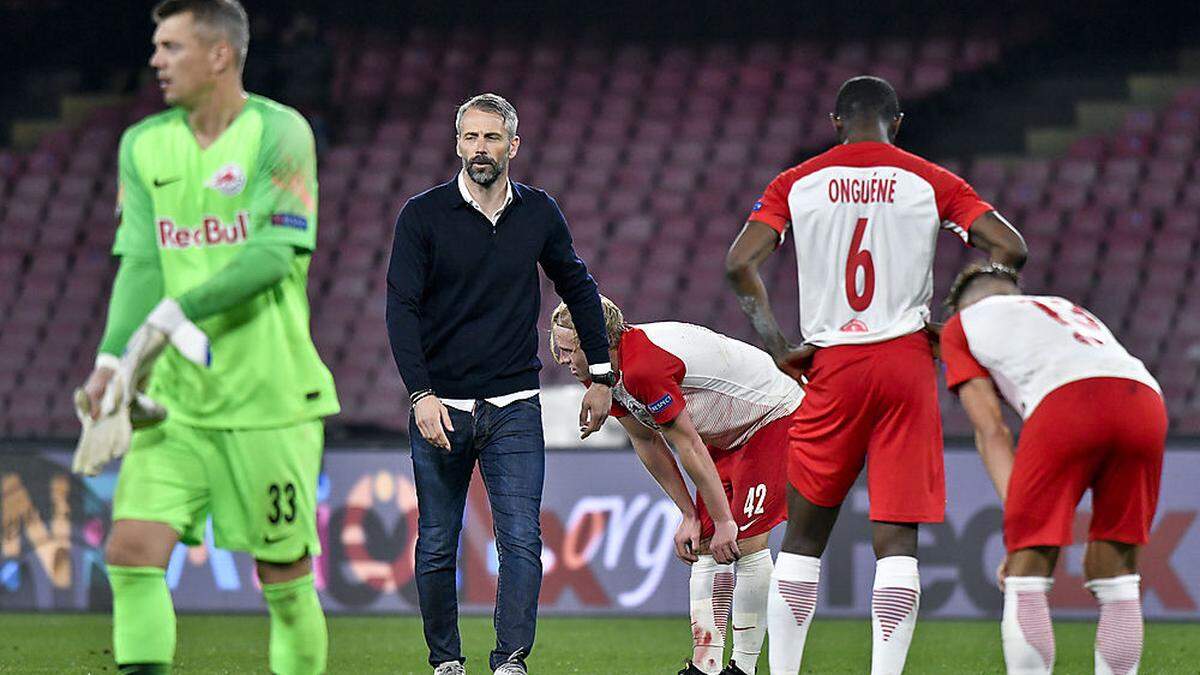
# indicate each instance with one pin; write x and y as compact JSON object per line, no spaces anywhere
{"x":614,"y":322}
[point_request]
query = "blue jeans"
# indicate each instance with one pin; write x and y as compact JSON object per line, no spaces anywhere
{"x":511,"y":451}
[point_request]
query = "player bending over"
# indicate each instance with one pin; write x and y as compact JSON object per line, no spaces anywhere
{"x":217,"y":225}
{"x":1094,"y":418}
{"x":726,"y":410}
{"x":864,"y":216}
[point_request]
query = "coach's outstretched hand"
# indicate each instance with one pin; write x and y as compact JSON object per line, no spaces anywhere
{"x":795,"y":361}
{"x":594,"y":410}
{"x":433,"y":420}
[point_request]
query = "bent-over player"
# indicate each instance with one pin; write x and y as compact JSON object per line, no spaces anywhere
{"x":725,"y":408}
{"x":1094,"y":418}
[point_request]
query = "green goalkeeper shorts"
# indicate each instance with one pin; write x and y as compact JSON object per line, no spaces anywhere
{"x":259,"y":485}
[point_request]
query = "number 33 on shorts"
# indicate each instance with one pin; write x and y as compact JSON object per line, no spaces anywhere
{"x":282,"y":503}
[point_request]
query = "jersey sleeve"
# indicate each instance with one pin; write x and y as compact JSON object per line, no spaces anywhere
{"x":654,"y":382}
{"x":772,"y":207}
{"x":961,"y":364}
{"x":283,"y":200}
{"x":958,"y":204}
{"x":135,"y":209}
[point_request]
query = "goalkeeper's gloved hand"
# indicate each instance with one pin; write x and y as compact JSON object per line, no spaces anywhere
{"x":105,"y":419}
{"x":108,"y":423}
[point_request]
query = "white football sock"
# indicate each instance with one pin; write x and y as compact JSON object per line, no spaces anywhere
{"x":750,"y":608}
{"x":894,"y":604}
{"x":711,"y":591}
{"x":1026,"y":631}
{"x":1119,"y":635}
{"x":790,"y":606}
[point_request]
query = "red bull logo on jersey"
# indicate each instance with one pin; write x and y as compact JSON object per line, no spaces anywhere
{"x":229,"y":180}
{"x":212,"y":232}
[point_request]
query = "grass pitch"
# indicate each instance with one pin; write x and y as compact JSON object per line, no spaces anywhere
{"x":80,"y":643}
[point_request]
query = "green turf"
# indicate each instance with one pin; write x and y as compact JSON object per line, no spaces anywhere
{"x":62,"y":643}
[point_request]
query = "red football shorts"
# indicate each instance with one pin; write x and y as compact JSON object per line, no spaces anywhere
{"x":1105,"y":433}
{"x":873,"y":404}
{"x":753,"y":483}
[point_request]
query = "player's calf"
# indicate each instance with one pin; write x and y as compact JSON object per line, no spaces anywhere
{"x":711,"y":591}
{"x":750,"y":597}
{"x":143,"y":616}
{"x":894,"y":603}
{"x":1026,"y":632}
{"x":299,"y":641}
{"x":1025,"y":629}
{"x":1111,"y":569}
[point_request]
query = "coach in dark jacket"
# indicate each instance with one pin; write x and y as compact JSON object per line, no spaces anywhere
{"x":462,"y":309}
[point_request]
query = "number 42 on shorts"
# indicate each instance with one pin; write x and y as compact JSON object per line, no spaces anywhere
{"x":755,"y":497}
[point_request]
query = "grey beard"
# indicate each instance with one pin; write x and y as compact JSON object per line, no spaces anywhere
{"x":484,"y":176}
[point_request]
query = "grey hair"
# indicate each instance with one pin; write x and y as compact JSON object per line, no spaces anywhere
{"x":228,"y":17}
{"x":492,"y":103}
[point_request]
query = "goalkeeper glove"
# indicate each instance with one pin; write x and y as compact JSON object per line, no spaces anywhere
{"x":123,"y":407}
{"x":106,"y":433}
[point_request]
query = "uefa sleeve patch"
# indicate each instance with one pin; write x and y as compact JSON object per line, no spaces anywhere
{"x":289,"y":220}
{"x":757,"y":206}
{"x":661,"y":404}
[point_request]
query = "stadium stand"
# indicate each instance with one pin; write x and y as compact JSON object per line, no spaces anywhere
{"x":656,"y":154}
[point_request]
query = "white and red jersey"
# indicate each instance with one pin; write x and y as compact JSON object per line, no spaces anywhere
{"x":865,"y":219}
{"x":729,"y":388}
{"x":1030,"y":345}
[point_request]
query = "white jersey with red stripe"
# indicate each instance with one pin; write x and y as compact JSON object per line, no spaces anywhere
{"x":730,"y":389}
{"x":1030,"y":345}
{"x":865,"y":219}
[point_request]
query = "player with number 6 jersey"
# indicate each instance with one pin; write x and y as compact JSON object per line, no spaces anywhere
{"x":1094,"y":418}
{"x":864,"y":217}
{"x":726,"y":410}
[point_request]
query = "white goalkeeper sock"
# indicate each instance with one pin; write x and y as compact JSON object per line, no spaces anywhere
{"x":894,"y":604}
{"x":790,"y":606}
{"x":1119,"y":634}
{"x":1026,"y":631}
{"x":750,"y":608}
{"x":711,"y":591}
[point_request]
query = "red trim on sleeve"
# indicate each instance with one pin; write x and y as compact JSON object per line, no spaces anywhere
{"x":772,"y":207}
{"x":961,"y":364}
{"x":651,"y":375}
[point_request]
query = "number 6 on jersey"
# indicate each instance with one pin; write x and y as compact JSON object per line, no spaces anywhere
{"x":859,"y":258}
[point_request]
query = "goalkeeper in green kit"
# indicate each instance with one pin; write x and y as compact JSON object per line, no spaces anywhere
{"x":207,"y":351}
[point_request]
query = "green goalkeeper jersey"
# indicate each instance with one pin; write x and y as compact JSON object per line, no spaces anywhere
{"x":193,"y":209}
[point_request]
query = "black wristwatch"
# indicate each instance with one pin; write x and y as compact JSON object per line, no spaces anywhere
{"x":608,"y":379}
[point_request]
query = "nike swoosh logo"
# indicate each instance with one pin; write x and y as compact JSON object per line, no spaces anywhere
{"x":736,"y":627}
{"x":747,"y":525}
{"x":158,"y":182}
{"x":275,"y":540}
